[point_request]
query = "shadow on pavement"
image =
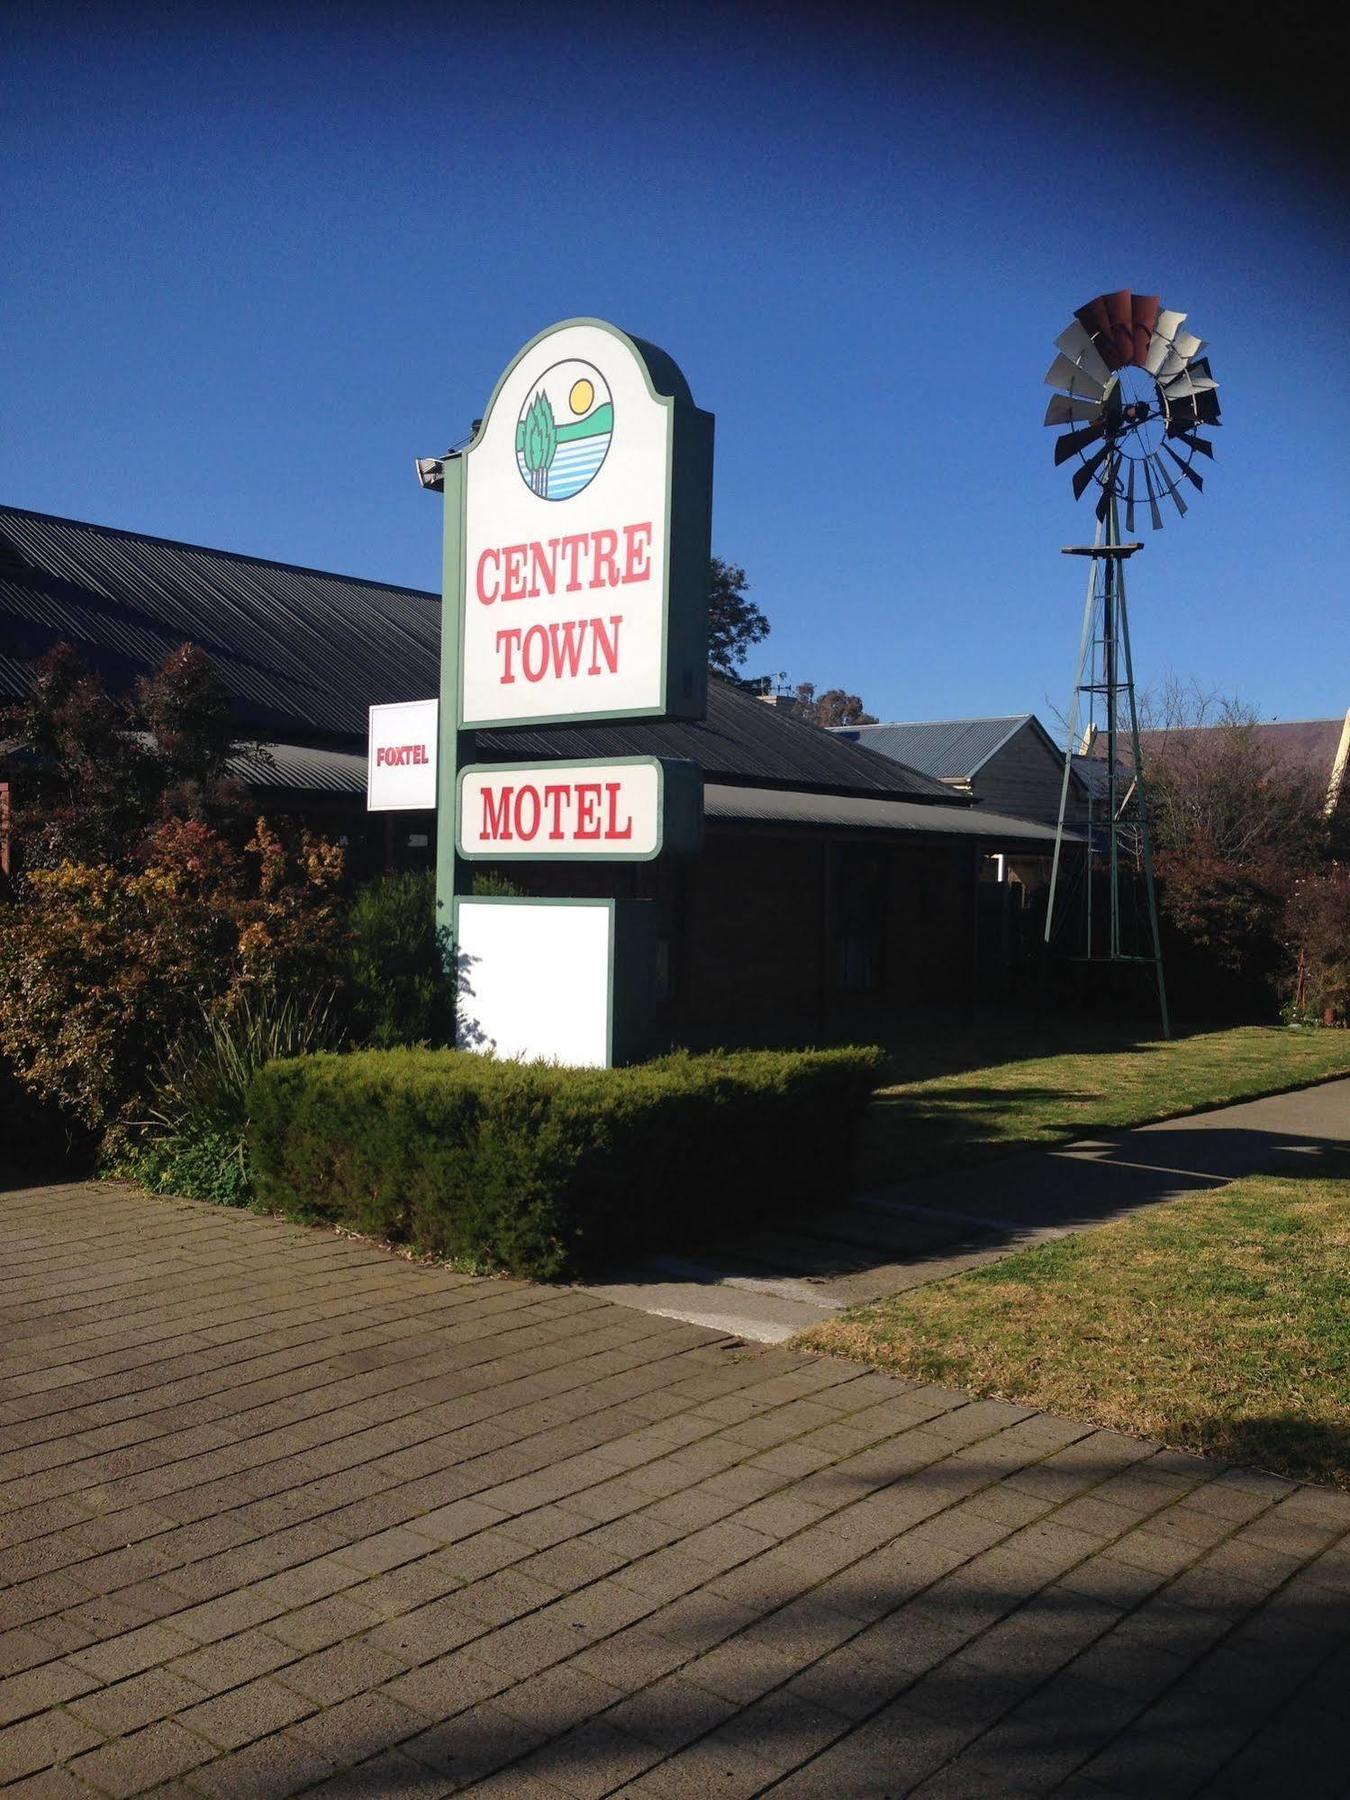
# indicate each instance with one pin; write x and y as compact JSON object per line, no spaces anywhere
{"x":940,"y":1662}
{"x":934,"y":1219}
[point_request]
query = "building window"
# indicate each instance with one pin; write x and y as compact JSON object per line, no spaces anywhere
{"x":859,"y":918}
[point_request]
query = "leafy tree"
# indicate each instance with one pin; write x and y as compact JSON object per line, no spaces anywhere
{"x":92,"y":774}
{"x":1219,"y":790}
{"x":1240,"y":830}
{"x":833,"y":707}
{"x":735,"y":623}
{"x":541,"y":442}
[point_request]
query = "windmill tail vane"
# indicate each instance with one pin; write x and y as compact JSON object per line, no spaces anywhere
{"x":1135,"y":392}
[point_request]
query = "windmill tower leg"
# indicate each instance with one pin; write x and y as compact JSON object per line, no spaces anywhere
{"x":1141,"y":802}
{"x":1084,"y":647}
{"x":1106,"y":669}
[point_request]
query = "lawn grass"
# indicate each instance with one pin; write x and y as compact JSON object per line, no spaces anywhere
{"x":1217,"y":1323}
{"x":1002,"y":1089}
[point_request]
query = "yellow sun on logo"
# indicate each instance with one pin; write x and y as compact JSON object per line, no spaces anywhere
{"x":581,"y":396}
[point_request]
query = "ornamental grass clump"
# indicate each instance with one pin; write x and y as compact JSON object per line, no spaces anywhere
{"x":193,"y":1141}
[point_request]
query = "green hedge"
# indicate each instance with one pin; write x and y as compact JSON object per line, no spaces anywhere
{"x":547,"y":1171}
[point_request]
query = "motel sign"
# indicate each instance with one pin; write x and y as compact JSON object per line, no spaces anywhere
{"x":577,"y":537}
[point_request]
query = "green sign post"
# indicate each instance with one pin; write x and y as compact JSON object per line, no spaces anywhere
{"x":577,"y":539}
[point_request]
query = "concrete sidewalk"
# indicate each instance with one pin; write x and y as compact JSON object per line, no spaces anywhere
{"x":282,"y":1513}
{"x":771,"y":1283}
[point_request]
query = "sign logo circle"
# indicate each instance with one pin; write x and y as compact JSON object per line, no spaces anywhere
{"x":564,"y":430}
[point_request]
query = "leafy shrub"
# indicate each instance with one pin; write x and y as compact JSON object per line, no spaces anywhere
{"x":400,"y":992}
{"x":101,"y":967}
{"x":205,"y":1165}
{"x":545,"y":1171}
{"x":1318,"y":925}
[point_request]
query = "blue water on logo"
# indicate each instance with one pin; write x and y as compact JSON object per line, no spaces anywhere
{"x":573,"y":465}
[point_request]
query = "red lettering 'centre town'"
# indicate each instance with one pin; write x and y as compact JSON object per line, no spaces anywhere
{"x":588,"y":646}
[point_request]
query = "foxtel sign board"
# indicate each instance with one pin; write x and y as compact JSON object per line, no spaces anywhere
{"x":581,"y":554}
{"x":628,"y":809}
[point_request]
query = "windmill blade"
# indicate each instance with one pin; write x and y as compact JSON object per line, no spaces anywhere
{"x":1188,"y":344}
{"x":1129,"y":502}
{"x":1103,"y":504}
{"x":1185,"y":468}
{"x":1073,"y":441}
{"x":1170,"y":488}
{"x":1200,"y":376}
{"x":1144,"y":312}
{"x":1096,"y":321}
{"x":1181,"y":413}
{"x":1188,"y":383}
{"x":1161,"y":344}
{"x":1083,"y":475}
{"x":1185,"y":411}
{"x":1080,"y":349}
{"x":1064,"y":411}
{"x":1064,"y":374}
{"x":1193,"y":378}
{"x":1203,"y":445}
{"x":1152,"y":499}
{"x":1172,"y":365}
{"x":1120,"y":311}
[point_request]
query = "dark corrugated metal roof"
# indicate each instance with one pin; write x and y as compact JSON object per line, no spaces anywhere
{"x":949,"y":749}
{"x":300,"y":766}
{"x":303,"y":654}
{"x":336,"y":771}
{"x":741,"y":739}
{"x":295,"y":648}
{"x":846,"y":811}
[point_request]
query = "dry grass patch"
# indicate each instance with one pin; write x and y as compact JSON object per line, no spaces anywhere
{"x":1217,"y":1323}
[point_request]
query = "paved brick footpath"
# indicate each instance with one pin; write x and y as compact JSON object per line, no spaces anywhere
{"x":282,"y":1513}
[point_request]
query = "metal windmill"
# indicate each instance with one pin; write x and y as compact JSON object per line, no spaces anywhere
{"x":1135,"y":391}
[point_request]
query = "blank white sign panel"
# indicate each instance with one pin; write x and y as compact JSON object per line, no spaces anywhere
{"x":535,"y":980}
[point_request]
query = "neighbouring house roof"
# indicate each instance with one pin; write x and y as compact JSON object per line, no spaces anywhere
{"x":333,"y":771}
{"x":1093,"y":772}
{"x":304,"y":652}
{"x":1321,"y":744}
{"x":948,"y":749}
{"x":1312,"y":741}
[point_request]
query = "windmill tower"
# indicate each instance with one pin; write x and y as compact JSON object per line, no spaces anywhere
{"x":1134,"y":391}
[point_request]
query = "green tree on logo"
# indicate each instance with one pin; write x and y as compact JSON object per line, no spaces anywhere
{"x":541,"y":443}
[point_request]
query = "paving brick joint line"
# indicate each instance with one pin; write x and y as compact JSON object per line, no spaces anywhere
{"x":281,"y":1514}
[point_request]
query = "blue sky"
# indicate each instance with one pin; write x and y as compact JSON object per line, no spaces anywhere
{"x":253,"y":269}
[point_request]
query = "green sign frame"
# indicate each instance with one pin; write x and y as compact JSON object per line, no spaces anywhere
{"x":679,"y":809}
{"x":688,"y":516}
{"x":631,"y":968}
